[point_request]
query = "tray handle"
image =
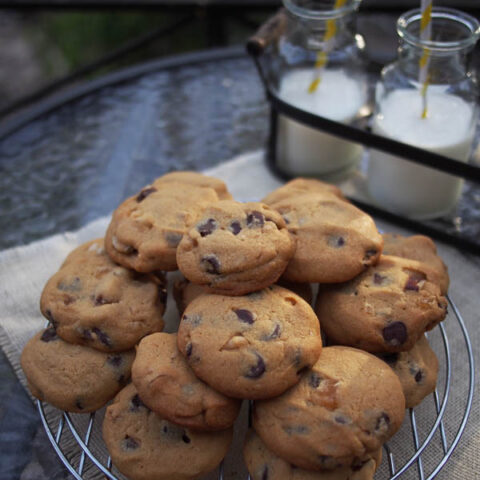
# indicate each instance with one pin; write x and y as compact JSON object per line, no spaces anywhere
{"x":268,"y":33}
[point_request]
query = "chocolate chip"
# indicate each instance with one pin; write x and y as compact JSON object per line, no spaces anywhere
{"x":287,"y":221}
{"x":245,"y":316}
{"x":256,"y":370}
{"x":275,"y":334}
{"x":115,"y":360}
{"x":48,"y":335}
{"x":101,"y":300}
{"x":211,"y":264}
{"x":173,"y":239}
{"x":87,"y":334}
{"x":265,"y":473}
{"x":136,"y":403}
{"x":378,"y":279}
{"x":207,"y":228}
{"x":68,"y":299}
{"x":129,"y":443}
{"x":297,"y":359}
{"x":194,"y":320}
{"x":413,"y":281}
{"x":255,"y":219}
{"x":145,"y":193}
{"x":186,"y":438}
{"x":79,"y":404}
{"x":314,"y":380}
{"x":235,"y":227}
{"x":341,"y":419}
{"x":419,"y":376}
{"x":390,"y":358}
{"x":102,"y":336}
{"x":74,"y":286}
{"x":296,"y":430}
{"x":335,"y":241}
{"x":188,"y":349}
{"x":383,"y":421}
{"x":395,"y":334}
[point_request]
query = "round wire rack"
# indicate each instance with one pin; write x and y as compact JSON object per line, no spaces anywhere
{"x":421,"y":448}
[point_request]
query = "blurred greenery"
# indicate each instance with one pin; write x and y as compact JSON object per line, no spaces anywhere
{"x":84,"y":37}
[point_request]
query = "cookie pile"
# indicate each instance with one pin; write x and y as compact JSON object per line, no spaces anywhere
{"x":247,"y":331}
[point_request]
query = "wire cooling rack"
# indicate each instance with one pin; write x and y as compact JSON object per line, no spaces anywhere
{"x":426,"y":441}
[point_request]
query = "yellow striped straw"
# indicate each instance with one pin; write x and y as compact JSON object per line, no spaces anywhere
{"x":322,"y":57}
{"x":425,"y":35}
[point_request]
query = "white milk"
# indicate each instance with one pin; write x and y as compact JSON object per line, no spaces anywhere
{"x":302,"y":150}
{"x":408,"y":188}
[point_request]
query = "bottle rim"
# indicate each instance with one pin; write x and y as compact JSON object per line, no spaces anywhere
{"x":470,"y":24}
{"x":327,"y":14}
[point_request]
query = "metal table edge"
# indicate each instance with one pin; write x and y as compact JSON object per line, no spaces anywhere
{"x":42,"y":107}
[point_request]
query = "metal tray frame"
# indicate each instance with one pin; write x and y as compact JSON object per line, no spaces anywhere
{"x":415,"y":462}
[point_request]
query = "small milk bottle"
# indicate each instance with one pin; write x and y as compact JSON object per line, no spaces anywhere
{"x":442,"y":121}
{"x":321,"y":70}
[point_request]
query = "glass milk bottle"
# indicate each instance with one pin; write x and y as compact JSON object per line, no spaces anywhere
{"x":442,"y":121}
{"x":320,"y":70}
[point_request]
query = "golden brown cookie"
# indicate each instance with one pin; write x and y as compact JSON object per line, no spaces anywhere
{"x":338,"y":415}
{"x":73,"y":378}
{"x":146,"y":229}
{"x":198,"y":180}
{"x":299,"y":186}
{"x":385,"y":309}
{"x":420,"y":248}
{"x":185,"y":292}
{"x":254,"y":346}
{"x":264,"y":464}
{"x":168,"y":386}
{"x":417,"y":370}
{"x":93,"y":301}
{"x":335,"y":240}
{"x":144,"y":446}
{"x":236,"y":248}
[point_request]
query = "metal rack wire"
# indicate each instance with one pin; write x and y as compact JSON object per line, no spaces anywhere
{"x":396,"y":464}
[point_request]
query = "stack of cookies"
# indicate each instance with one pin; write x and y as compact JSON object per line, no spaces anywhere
{"x":247,"y":331}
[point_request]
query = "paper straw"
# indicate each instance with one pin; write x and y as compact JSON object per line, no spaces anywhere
{"x":425,"y":35}
{"x":322,"y":57}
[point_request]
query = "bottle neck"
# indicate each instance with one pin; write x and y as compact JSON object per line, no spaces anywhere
{"x":443,"y":68}
{"x":316,"y":32}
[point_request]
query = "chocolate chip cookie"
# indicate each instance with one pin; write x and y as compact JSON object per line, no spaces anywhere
{"x":168,"y":386}
{"x":299,"y":186}
{"x":385,"y":309}
{"x":73,"y":378}
{"x":338,"y":415}
{"x":185,"y":292}
{"x":144,"y":446}
{"x":253,"y":346}
{"x":263,"y":464}
{"x":420,"y":248}
{"x":93,"y":301}
{"x":198,"y":180}
{"x":335,"y":240}
{"x":417,"y":370}
{"x":146,"y":229}
{"x":236,"y":248}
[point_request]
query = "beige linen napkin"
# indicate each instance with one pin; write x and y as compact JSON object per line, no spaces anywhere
{"x":24,"y":271}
